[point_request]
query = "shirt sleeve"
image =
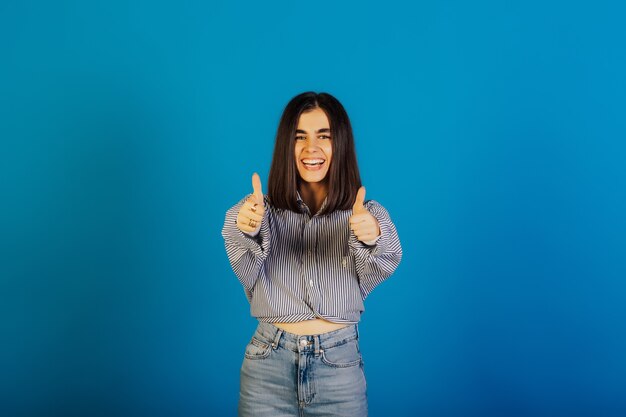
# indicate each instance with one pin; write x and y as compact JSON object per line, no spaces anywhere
{"x":246,"y":253}
{"x":375,"y":263}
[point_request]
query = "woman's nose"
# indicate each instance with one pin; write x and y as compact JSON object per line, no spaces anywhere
{"x":311,"y":142}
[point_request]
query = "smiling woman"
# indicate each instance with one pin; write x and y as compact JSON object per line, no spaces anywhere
{"x":313,"y":156}
{"x":307,"y":254}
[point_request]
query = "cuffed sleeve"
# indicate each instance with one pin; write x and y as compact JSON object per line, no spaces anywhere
{"x":375,"y":263}
{"x":246,"y":253}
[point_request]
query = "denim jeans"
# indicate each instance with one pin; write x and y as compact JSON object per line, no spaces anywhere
{"x":284,"y":374}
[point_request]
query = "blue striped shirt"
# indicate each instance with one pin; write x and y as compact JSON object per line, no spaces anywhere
{"x":302,"y":266}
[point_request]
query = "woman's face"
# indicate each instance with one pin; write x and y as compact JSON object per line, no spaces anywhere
{"x":313,"y":146}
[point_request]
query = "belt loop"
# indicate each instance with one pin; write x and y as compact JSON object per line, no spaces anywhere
{"x":316,"y":341}
{"x":279,"y":333}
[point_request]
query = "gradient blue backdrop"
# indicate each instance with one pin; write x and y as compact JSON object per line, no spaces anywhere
{"x":492,"y":131}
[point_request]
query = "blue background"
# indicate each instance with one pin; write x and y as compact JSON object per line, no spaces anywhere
{"x":492,"y":131}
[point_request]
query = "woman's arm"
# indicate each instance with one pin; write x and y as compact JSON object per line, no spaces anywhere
{"x":375,"y":263}
{"x":246,"y":253}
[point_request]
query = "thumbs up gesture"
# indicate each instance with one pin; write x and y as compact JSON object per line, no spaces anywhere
{"x":251,"y":212}
{"x":363,"y":224}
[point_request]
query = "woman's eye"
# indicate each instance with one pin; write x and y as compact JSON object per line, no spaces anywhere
{"x":320,"y":137}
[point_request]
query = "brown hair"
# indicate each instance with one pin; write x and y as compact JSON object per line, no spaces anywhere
{"x":344,"y":179}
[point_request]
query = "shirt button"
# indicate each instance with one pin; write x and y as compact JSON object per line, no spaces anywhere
{"x":311,"y":282}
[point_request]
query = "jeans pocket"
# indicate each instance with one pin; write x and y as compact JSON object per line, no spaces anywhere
{"x":342,"y":356}
{"x":257,"y":349}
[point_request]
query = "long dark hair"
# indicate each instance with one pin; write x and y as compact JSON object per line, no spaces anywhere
{"x":344,"y":179}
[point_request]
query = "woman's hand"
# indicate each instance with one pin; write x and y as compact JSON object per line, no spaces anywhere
{"x":363,"y":224}
{"x":251,"y":213}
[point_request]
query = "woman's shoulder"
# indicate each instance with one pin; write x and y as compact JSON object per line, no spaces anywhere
{"x":372,"y":203}
{"x":376,"y":208}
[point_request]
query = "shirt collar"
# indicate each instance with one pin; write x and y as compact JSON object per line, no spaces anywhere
{"x":304,"y":207}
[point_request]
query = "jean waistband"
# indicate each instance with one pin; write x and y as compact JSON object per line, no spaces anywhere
{"x":275,"y":336}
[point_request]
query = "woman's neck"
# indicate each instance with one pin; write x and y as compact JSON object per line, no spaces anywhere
{"x":313,"y":195}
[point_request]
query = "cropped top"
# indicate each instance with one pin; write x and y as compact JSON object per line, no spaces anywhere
{"x":302,"y":266}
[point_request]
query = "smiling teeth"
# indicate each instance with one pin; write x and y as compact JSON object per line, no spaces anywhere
{"x":312,"y":161}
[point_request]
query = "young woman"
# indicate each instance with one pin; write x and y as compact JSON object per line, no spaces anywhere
{"x":307,"y":254}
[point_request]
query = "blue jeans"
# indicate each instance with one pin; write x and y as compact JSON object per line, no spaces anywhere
{"x":284,"y":374}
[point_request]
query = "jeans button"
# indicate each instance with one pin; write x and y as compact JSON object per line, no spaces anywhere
{"x":303,"y":342}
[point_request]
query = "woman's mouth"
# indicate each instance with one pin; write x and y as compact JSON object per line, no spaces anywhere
{"x":313,"y":164}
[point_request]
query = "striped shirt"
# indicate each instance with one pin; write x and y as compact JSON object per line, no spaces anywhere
{"x":302,"y":266}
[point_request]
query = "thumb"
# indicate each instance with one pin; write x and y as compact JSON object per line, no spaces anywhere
{"x":256,"y":186}
{"x":360,"y":199}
